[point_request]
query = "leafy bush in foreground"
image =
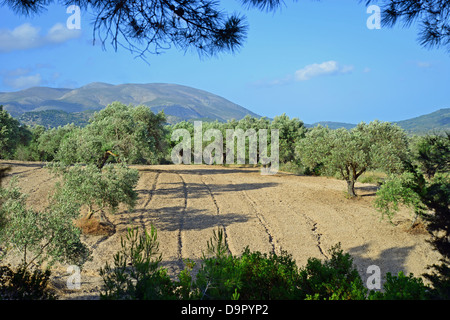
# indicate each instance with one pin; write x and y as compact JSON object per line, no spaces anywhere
{"x":334,"y":279}
{"x":136,"y":274}
{"x":22,"y":284}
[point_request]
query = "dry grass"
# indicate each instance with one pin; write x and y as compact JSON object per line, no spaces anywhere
{"x":94,"y":227}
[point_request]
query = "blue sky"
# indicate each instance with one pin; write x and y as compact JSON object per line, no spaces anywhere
{"x":311,"y":60}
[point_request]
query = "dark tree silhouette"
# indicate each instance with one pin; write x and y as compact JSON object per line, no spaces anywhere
{"x":153,"y":26}
{"x":432,"y":16}
{"x":3,"y":171}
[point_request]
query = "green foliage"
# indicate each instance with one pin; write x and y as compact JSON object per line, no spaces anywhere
{"x":290,"y":131}
{"x":218,"y":276}
{"x":136,"y":273}
{"x":22,"y":284}
{"x":253,"y":275}
{"x":134,"y":134}
{"x":334,"y":279}
{"x":97,"y":189}
{"x":350,"y":153}
{"x":11,"y":134}
{"x":432,"y":153}
{"x":48,"y":142}
{"x":399,"y":190}
{"x":440,"y":281}
{"x":402,"y":287}
{"x":426,"y":189}
{"x":40,"y":235}
{"x":55,"y":118}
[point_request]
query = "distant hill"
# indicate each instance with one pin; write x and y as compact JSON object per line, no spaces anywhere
{"x":52,"y":107}
{"x":435,"y":122}
{"x":438,"y":121}
{"x":55,"y":118}
{"x":178,"y":102}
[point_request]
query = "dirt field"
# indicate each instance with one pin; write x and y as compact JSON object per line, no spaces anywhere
{"x":302,"y":215}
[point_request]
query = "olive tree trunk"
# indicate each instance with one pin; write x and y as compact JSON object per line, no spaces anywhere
{"x":351,"y":188}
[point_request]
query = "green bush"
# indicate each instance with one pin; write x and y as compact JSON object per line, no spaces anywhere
{"x":402,"y":287}
{"x":21,"y":284}
{"x":333,"y":279}
{"x":136,"y":274}
{"x":253,"y":275}
{"x":94,"y":188}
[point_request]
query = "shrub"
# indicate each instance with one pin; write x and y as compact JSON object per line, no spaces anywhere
{"x":333,"y":279}
{"x":21,"y":284}
{"x":252,"y":276}
{"x":402,"y":287}
{"x":136,"y":273}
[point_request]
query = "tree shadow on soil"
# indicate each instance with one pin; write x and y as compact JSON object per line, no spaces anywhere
{"x":366,"y":191}
{"x":201,"y":170}
{"x":173,"y":218}
{"x":199,"y":190}
{"x":392,"y":260}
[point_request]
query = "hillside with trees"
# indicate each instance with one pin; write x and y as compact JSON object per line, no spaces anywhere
{"x":92,"y":164}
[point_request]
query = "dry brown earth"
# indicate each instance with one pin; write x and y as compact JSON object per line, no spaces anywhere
{"x":302,"y":215}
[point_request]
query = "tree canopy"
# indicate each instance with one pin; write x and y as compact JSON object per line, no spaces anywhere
{"x":156,"y":25}
{"x":131,"y":134}
{"x":350,"y":153}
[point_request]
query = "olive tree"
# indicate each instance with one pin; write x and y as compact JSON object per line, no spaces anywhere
{"x":350,"y":153}
{"x":131,"y":134}
{"x":12,"y":134}
{"x":290,"y":131}
{"x":96,"y":189}
{"x":46,"y":235}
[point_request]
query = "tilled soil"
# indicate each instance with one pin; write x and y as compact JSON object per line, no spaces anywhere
{"x":302,"y":215}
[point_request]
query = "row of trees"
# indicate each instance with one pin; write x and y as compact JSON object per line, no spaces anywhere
{"x":135,"y":135}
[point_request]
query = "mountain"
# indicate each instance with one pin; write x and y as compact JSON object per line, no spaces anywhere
{"x":52,"y":107}
{"x":438,"y":121}
{"x":435,"y":122}
{"x":178,"y":102}
{"x":55,"y":118}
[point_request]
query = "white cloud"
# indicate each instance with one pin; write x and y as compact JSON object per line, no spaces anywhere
{"x":424,"y":64}
{"x":60,"y":33}
{"x":27,"y":36}
{"x":321,"y":69}
{"x":308,"y":72}
{"x":24,"y":81}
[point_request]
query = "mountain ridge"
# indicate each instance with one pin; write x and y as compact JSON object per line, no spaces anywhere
{"x":435,"y":122}
{"x":58,"y":106}
{"x":178,"y":101}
